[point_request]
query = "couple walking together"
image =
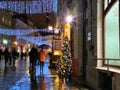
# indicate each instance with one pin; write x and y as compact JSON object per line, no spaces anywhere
{"x":34,"y":55}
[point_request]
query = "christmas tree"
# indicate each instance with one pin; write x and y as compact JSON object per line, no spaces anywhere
{"x":64,"y":63}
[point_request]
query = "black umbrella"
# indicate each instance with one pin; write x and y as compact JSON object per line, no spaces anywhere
{"x":44,"y":46}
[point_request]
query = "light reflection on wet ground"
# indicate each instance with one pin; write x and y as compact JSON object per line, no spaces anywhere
{"x":19,"y":78}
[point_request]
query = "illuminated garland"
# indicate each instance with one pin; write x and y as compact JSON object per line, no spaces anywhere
{"x":36,"y":40}
{"x":20,"y":35}
{"x":30,"y":7}
{"x":17,"y":32}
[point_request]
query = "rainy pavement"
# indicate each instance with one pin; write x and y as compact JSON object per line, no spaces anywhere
{"x":19,"y":78}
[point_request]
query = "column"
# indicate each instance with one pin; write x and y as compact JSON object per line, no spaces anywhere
{"x":100,"y":32}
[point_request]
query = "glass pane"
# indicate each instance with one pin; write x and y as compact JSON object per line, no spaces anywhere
{"x":112,"y":45}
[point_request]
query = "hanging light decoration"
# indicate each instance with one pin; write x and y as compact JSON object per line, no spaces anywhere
{"x":30,"y":7}
{"x":17,"y":32}
{"x":36,"y":40}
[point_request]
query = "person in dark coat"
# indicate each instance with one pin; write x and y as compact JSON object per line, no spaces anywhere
{"x":14,"y":56}
{"x":10,"y":58}
{"x":50,"y":55}
{"x":6,"y":54}
{"x":33,"y":54}
{"x":22,"y":54}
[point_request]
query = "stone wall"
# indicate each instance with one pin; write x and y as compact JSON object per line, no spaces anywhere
{"x":91,"y":72}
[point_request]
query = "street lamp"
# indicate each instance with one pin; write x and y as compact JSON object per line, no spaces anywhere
{"x":69,"y":18}
{"x":50,"y":28}
{"x":67,"y":26}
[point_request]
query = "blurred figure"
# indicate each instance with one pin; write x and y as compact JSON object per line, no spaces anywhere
{"x":25,"y":54}
{"x":14,"y":56}
{"x":33,"y":81}
{"x":10,"y":57}
{"x":0,"y":53}
{"x":6,"y":54}
{"x":22,"y":54}
{"x":50,"y":55}
{"x":33,"y":54}
{"x":42,"y":55}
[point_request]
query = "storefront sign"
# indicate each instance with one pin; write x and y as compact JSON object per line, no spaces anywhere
{"x":57,"y":44}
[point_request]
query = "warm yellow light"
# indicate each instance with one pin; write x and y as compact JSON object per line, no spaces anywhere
{"x":49,"y":50}
{"x":15,"y":42}
{"x":56,"y":53}
{"x":50,"y":28}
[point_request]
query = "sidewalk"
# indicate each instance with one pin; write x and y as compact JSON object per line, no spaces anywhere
{"x":20,"y":78}
{"x":80,"y":83}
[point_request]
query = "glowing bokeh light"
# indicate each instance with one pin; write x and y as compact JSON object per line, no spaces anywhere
{"x":69,"y":18}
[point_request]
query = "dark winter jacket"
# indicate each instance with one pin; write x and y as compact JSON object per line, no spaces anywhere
{"x":33,"y":54}
{"x":6,"y":54}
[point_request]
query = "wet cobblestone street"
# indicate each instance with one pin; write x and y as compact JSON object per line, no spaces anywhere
{"x":19,"y":78}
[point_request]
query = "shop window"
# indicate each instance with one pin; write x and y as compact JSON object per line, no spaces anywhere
{"x":3,"y":19}
{"x":112,"y":37}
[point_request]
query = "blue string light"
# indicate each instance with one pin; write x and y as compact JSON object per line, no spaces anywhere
{"x":31,"y":7}
{"x":36,"y":40}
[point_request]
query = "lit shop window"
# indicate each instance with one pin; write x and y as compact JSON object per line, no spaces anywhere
{"x":3,"y":19}
{"x":112,"y":37}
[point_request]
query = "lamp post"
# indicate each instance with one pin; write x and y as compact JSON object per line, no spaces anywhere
{"x":68,"y":19}
{"x":51,"y":29}
{"x":54,"y":32}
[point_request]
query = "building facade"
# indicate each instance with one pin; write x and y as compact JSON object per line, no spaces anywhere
{"x":9,"y":21}
{"x":94,"y":41}
{"x":94,"y":38}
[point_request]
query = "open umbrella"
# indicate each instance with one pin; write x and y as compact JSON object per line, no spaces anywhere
{"x":44,"y":46}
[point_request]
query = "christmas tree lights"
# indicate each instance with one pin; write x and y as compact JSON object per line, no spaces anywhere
{"x":64,"y":63}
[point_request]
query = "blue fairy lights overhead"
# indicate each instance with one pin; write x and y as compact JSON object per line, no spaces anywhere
{"x":30,"y":7}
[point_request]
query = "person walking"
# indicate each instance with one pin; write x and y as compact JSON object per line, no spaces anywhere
{"x":14,"y":56}
{"x":33,"y":54}
{"x":50,"y":59}
{"x":22,"y":55}
{"x":10,"y":58}
{"x":42,"y":55}
{"x":6,"y":54}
